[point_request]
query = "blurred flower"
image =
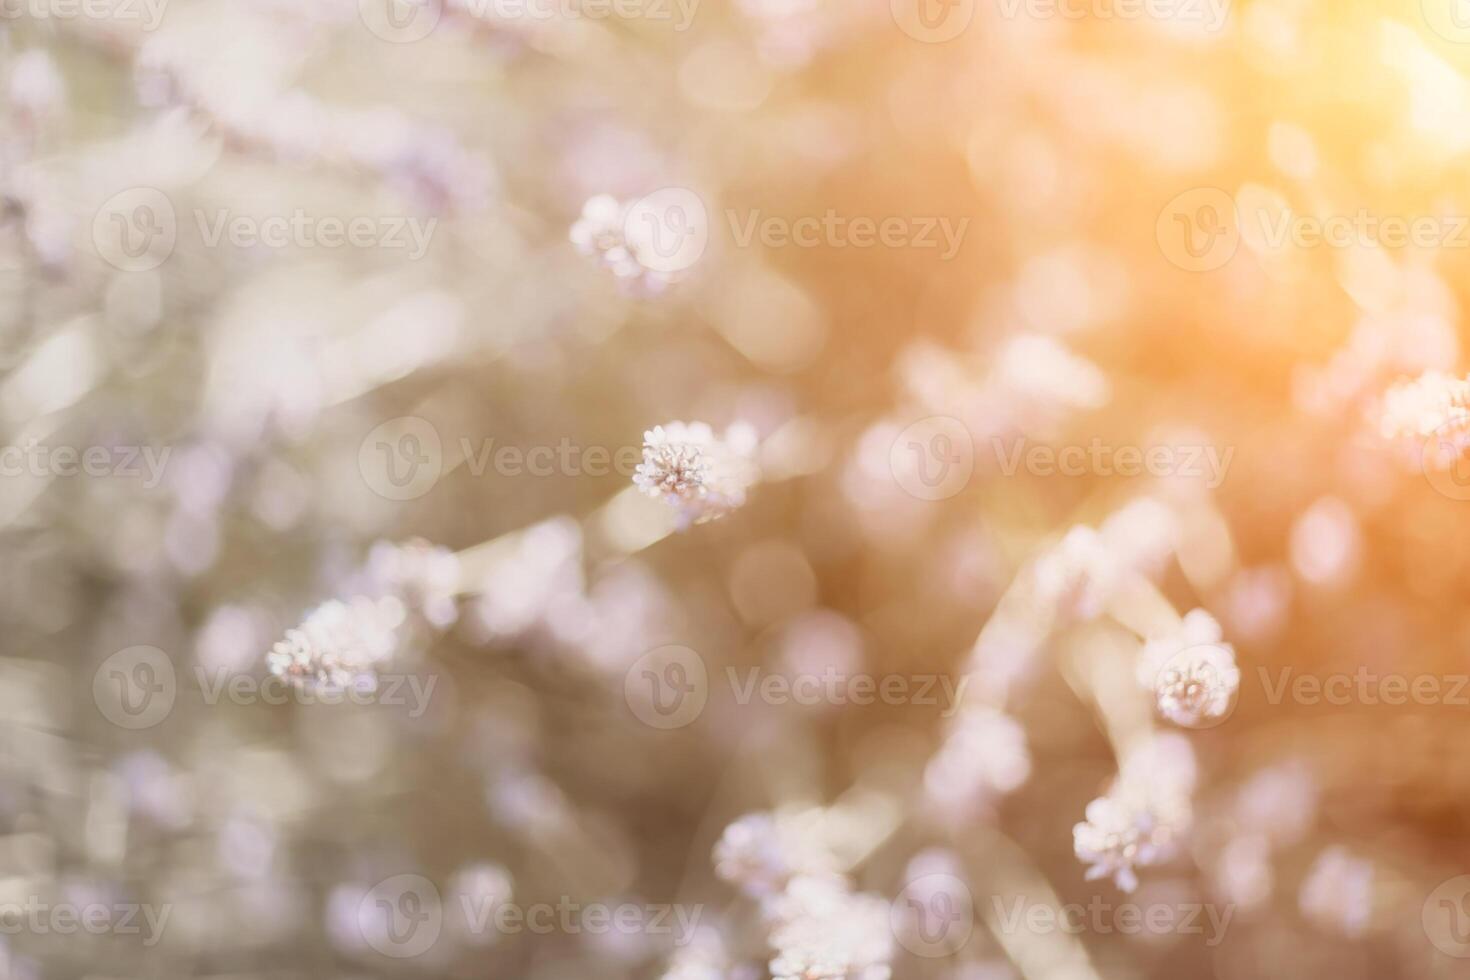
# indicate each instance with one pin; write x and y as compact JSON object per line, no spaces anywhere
{"x":1078,"y":575}
{"x":1338,"y":892}
{"x":1191,"y":672}
{"x":37,"y":89}
{"x":425,"y":576}
{"x":623,"y":247}
{"x":1420,"y":407}
{"x":1429,"y":416}
{"x":983,"y":758}
{"x":1118,"y":836}
{"x":760,"y":854}
{"x":823,"y":931}
{"x":701,"y":476}
{"x":339,"y":644}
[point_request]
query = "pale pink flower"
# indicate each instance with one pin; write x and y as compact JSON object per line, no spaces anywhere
{"x":1078,"y":575}
{"x":700,"y":475}
{"x":1191,"y":671}
{"x":1338,"y":892}
{"x":1118,"y":837}
{"x":983,"y":759}
{"x":824,"y":931}
{"x":339,"y":644}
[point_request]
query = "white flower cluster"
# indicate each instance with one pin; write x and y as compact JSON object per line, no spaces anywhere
{"x":626,"y":248}
{"x":339,"y":644}
{"x":1418,"y":407}
{"x":822,"y":930}
{"x":343,"y":643}
{"x":1338,"y":892}
{"x":1429,"y":415}
{"x":1191,"y":671}
{"x":1078,"y":576}
{"x":983,"y":759}
{"x":425,"y":576}
{"x":1138,"y":823}
{"x":818,"y":926}
{"x":700,"y":475}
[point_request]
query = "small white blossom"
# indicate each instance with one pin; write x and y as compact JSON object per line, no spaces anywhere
{"x":1421,"y":407}
{"x":603,"y":233}
{"x":36,"y":87}
{"x":1338,"y":892}
{"x":1077,"y":576}
{"x":760,"y":853}
{"x":425,"y":576}
{"x":702,"y":476}
{"x":339,"y":644}
{"x":983,"y":759}
{"x":1192,"y":673}
{"x":823,"y":931}
{"x":1120,"y":835}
